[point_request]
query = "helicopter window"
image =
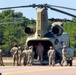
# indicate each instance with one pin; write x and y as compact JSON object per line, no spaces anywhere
{"x":63,"y":43}
{"x":56,"y":41}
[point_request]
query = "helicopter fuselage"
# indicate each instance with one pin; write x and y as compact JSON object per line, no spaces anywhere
{"x":53,"y":36}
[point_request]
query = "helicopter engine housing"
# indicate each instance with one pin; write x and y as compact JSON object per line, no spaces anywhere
{"x":57,"y":30}
{"x":30,"y":29}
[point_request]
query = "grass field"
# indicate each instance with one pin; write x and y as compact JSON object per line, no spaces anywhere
{"x":8,"y":61}
{"x":8,"y":64}
{"x":74,"y":58}
{"x":10,"y":58}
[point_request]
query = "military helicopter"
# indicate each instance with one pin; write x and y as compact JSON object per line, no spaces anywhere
{"x":52,"y":35}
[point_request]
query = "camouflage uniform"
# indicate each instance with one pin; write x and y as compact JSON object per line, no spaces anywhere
{"x":64,"y":58}
{"x":14,"y":52}
{"x":24,"y":54}
{"x":30,"y":56}
{"x":39,"y":51}
{"x":1,"y":60}
{"x":19,"y":56}
{"x":51,"y":55}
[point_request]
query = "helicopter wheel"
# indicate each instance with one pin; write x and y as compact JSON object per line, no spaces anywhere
{"x":69,"y":62}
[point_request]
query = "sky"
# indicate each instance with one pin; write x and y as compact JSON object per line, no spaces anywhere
{"x":31,"y":12}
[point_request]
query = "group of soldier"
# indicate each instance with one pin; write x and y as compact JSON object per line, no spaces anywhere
{"x":28,"y":55}
{"x":51,"y":55}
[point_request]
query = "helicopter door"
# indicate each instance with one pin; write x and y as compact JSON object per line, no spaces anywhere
{"x":46,"y":44}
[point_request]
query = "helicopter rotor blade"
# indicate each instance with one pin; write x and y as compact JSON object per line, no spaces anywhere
{"x":25,"y":6}
{"x":33,"y":5}
{"x":62,"y":11}
{"x":62,"y":7}
{"x":41,"y":5}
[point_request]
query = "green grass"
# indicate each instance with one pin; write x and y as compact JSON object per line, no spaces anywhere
{"x":7,"y":58}
{"x":74,"y":58}
{"x":11,"y":63}
{"x":8,"y":64}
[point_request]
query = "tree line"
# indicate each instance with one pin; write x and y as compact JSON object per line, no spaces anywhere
{"x":12,"y":26}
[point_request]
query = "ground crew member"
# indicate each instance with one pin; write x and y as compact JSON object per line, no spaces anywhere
{"x":14,"y":52}
{"x":51,"y":55}
{"x":1,"y":60}
{"x":30,"y":56}
{"x":24,"y":54}
{"x":64,"y":58}
{"x":39,"y":51}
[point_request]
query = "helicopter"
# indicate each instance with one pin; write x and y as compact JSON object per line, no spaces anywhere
{"x":52,"y":35}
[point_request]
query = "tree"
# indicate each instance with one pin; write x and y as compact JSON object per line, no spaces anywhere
{"x":12,"y":29}
{"x":74,"y":19}
{"x":70,"y":28}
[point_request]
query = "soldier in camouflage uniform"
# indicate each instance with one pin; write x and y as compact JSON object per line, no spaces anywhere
{"x":24,"y":54}
{"x":39,"y":51}
{"x":64,"y":58}
{"x":1,"y":60}
{"x":30,"y":56}
{"x":19,"y":56}
{"x":14,"y":52}
{"x":51,"y":55}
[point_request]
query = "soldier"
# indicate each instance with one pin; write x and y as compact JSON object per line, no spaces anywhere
{"x":1,"y":60}
{"x":64,"y":58}
{"x":24,"y":54}
{"x":19,"y":56}
{"x":30,"y":56}
{"x":39,"y":51}
{"x":51,"y":55}
{"x":14,"y":52}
